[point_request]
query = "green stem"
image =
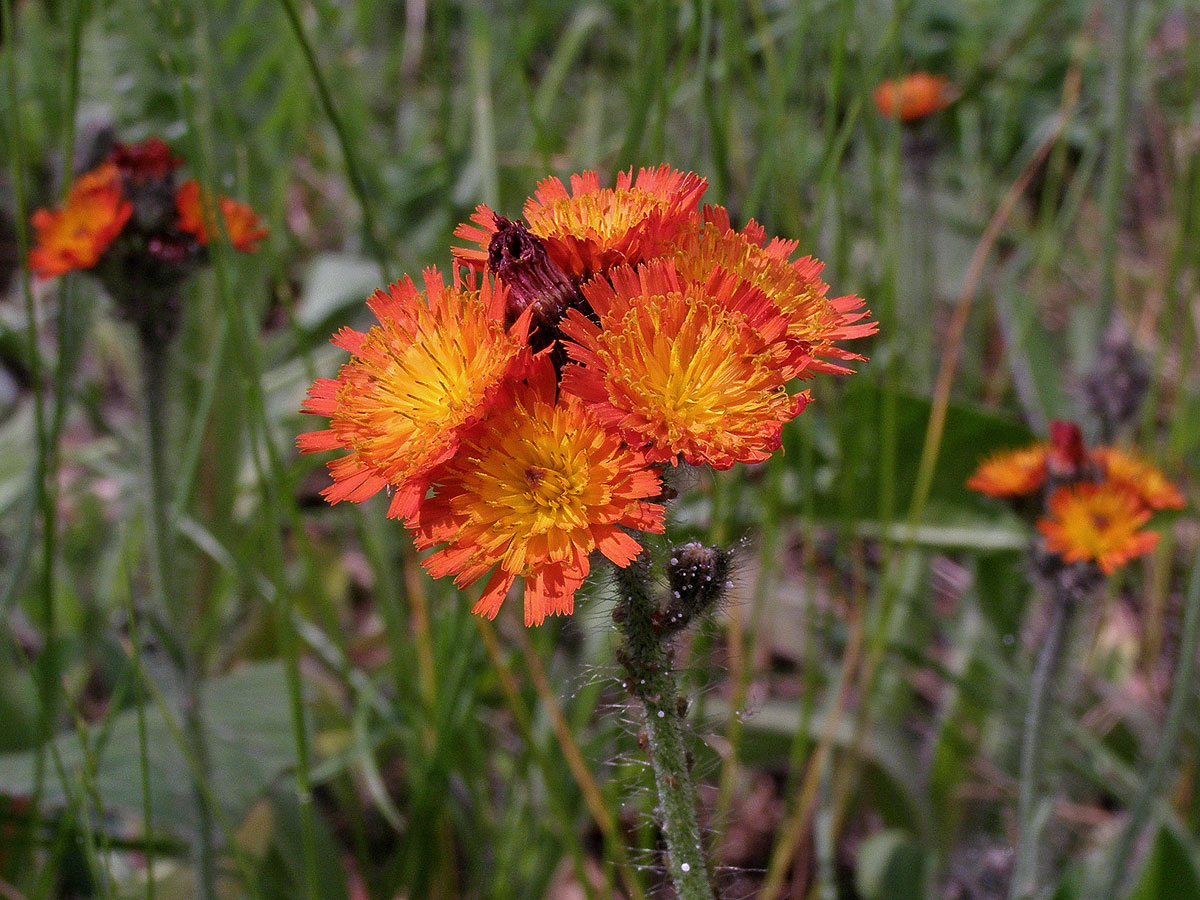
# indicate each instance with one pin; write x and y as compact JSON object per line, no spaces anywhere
{"x":1024,"y":879}
{"x":1114,"y":174}
{"x":652,"y":681}
{"x":1185,"y":671}
{"x":139,"y":701}
{"x":357,"y":182}
{"x":154,"y":371}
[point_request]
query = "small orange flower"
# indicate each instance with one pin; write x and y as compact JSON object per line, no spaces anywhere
{"x":242,"y":225}
{"x":75,"y":235}
{"x":795,"y":287}
{"x":1097,"y":523}
{"x":592,"y":228}
{"x":1144,"y":480}
{"x":414,"y":382}
{"x":533,"y":490}
{"x":913,"y":96}
{"x":1012,"y":473}
{"x":685,"y":368}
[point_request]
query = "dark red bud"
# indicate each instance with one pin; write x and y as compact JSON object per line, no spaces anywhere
{"x":518,"y":257}
{"x":1068,"y":456}
{"x":151,"y":159}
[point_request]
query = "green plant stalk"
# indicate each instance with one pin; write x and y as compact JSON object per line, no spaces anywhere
{"x":271,"y":474}
{"x":1024,"y":879}
{"x":154,"y":370}
{"x":614,"y":844}
{"x":1185,"y":673}
{"x":652,"y":681}
{"x":357,"y":182}
{"x":139,"y":700}
{"x":1114,"y":173}
{"x":42,"y":483}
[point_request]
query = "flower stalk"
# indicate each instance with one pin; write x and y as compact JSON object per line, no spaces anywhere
{"x":647,"y":628}
{"x":154,"y":352}
{"x":1024,"y":877}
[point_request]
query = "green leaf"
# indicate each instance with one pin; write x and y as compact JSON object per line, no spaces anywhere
{"x":970,"y":434}
{"x":250,"y":743}
{"x":1170,"y":872}
{"x":890,"y":867}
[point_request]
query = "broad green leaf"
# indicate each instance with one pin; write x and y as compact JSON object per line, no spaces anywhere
{"x":250,"y":743}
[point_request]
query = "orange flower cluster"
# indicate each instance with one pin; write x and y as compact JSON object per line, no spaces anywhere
{"x":521,"y":416}
{"x":1098,"y":500}
{"x":116,"y":210}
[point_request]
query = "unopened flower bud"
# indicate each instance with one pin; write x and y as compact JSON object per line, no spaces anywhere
{"x":1068,"y":460}
{"x":518,"y":258}
{"x":1117,"y":384}
{"x":697,"y":576}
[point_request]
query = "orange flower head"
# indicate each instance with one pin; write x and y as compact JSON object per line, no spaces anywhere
{"x":242,"y":225}
{"x":913,"y":97}
{"x":1097,"y":523}
{"x":795,"y":288}
{"x":591,"y":228}
{"x":414,"y":383}
{"x":536,"y":487}
{"x":685,"y":368}
{"x":75,"y":235}
{"x":1012,"y":473}
{"x":1145,"y":481}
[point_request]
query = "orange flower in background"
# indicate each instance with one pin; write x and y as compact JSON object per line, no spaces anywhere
{"x":794,"y":287}
{"x":242,"y":225}
{"x":1098,"y":523}
{"x":75,"y":235}
{"x":536,"y":487}
{"x":913,"y":97}
{"x":592,"y":228}
{"x":1143,"y":480}
{"x":685,"y":368}
{"x":415,"y":381}
{"x":1012,"y":473}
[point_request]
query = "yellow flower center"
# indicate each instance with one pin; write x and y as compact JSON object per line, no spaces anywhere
{"x":411,"y":389}
{"x":685,"y":367}
{"x":603,"y":215}
{"x":1100,"y":523}
{"x":535,"y":491}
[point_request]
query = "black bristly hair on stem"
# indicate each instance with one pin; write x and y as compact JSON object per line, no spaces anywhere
{"x":697,"y":578}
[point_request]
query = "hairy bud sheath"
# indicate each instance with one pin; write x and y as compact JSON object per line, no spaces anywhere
{"x":697,"y":577}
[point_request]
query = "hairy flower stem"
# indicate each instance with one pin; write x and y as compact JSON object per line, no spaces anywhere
{"x":154,"y":352}
{"x":1024,"y":878}
{"x":652,"y":682}
{"x":1185,"y":672}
